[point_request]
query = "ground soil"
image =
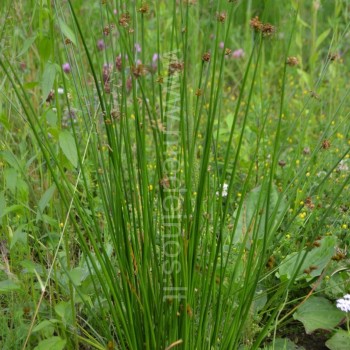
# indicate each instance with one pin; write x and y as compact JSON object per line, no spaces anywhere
{"x":314,"y":341}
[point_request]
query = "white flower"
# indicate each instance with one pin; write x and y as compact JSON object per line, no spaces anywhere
{"x":342,"y":166}
{"x":224,"y":192}
{"x":60,"y":91}
{"x":344,"y":303}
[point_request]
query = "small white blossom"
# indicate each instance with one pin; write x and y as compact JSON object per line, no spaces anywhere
{"x":60,"y":91}
{"x":344,"y":303}
{"x":224,"y":192}
{"x":342,"y":166}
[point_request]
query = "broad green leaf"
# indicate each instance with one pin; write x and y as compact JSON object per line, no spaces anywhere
{"x":252,"y":216}
{"x":318,"y":313}
{"x":10,"y":175}
{"x":67,"y":31}
{"x":53,"y":343}
{"x":19,"y":236}
{"x":305,"y":77}
{"x":2,"y":203}
{"x":10,"y":158}
{"x":7,"y":210}
{"x":302,"y":22}
{"x":23,"y":190}
{"x":27,"y":44}
{"x":322,"y":37}
{"x":318,"y":258}
{"x":45,"y":48}
{"x":9,"y":286}
{"x":260,"y":299}
{"x":45,"y":324}
{"x":30,"y":85}
{"x":45,"y":199}
{"x":339,"y":341}
{"x":30,"y":267}
{"x":76,"y":275}
{"x":48,"y":78}
{"x":51,"y":118}
{"x":283,"y":344}
{"x":67,"y":144}
{"x":64,"y":311}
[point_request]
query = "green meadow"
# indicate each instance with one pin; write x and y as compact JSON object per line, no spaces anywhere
{"x":175,"y":175}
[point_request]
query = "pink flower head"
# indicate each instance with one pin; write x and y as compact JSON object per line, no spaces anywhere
{"x":239,"y":53}
{"x":155,"y":58}
{"x":101,"y":45}
{"x":66,"y":67}
{"x":137,"y":47}
{"x":221,"y":45}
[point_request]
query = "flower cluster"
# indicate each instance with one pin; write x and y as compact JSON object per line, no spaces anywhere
{"x":224,"y":192}
{"x":266,"y":29}
{"x":344,"y":303}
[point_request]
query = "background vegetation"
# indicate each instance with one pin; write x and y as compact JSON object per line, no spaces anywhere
{"x":174,"y":174}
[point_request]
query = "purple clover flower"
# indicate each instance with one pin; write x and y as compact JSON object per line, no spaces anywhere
{"x":237,"y":54}
{"x":137,"y":47}
{"x":155,"y":58}
{"x":66,"y":67}
{"x":101,"y":45}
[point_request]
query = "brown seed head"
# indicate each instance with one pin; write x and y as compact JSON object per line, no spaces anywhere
{"x":164,"y":182}
{"x":124,"y":20}
{"x":106,"y":73}
{"x":189,"y":310}
{"x":221,"y":17}
{"x":282,"y":163}
{"x":144,"y":8}
{"x":139,"y":70}
{"x":67,"y":41}
{"x":50,"y":96}
{"x":268,"y":29}
{"x":176,"y":67}
{"x":115,"y":114}
{"x":256,"y":24}
{"x":118,"y":63}
{"x":106,"y":30}
{"x":206,"y":57}
{"x":326,"y":144}
{"x":227,"y":51}
{"x":333,"y":56}
{"x":198,"y":92}
{"x":309,"y":204}
{"x":292,"y":61}
{"x":306,"y":150}
{"x":107,"y":87}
